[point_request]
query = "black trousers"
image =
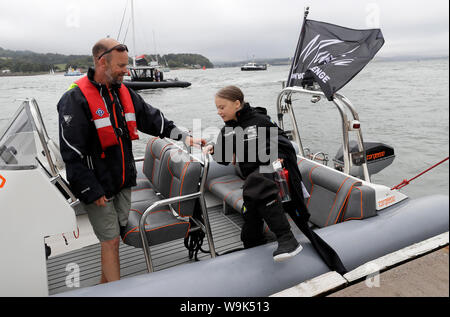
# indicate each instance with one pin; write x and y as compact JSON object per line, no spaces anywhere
{"x":260,"y":194}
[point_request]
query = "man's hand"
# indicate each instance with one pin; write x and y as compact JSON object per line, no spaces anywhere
{"x":209,"y":149}
{"x":197,"y":142}
{"x":101,"y":202}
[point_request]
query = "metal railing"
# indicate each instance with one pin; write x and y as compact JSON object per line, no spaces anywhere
{"x":284,"y":105}
{"x":198,"y":195}
{"x":56,"y":178}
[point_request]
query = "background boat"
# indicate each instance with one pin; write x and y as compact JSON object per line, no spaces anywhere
{"x":73,"y":72}
{"x":145,"y":76}
{"x":253,"y":66}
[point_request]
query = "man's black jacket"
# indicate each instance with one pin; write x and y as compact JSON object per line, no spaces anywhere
{"x":92,"y":172}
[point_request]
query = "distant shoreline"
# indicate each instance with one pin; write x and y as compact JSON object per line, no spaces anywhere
{"x":278,"y":63}
{"x":23,"y":74}
{"x":286,"y":61}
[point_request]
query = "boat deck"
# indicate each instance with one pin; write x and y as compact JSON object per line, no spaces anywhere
{"x":226,"y":234}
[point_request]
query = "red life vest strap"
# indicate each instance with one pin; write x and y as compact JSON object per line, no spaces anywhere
{"x":100,"y":113}
{"x":130,"y":115}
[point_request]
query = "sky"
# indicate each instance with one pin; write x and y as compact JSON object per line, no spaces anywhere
{"x":221,"y":30}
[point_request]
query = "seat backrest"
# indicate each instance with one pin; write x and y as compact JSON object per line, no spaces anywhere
{"x":180,"y":175}
{"x":154,"y":152}
{"x":335,"y":197}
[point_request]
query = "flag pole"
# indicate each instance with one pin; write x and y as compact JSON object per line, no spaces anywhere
{"x":299,"y":46}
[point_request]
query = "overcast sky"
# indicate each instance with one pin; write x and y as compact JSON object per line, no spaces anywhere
{"x":222,"y":30}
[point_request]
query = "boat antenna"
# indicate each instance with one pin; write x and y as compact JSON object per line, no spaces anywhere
{"x":126,"y":31}
{"x":154,"y":44}
{"x":134,"y":37}
{"x":121,"y":23}
{"x":299,"y":46}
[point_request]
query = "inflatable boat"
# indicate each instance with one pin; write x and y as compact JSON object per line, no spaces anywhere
{"x":180,"y":194}
{"x":167,"y":83}
{"x":183,"y":232}
{"x":146,"y":76}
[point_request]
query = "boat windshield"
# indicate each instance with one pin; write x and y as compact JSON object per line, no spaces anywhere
{"x":17,"y":143}
{"x":141,"y":72}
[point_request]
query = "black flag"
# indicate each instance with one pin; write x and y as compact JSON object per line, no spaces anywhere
{"x":332,"y":55}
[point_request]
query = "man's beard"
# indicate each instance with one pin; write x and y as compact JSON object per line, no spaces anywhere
{"x":111,"y":79}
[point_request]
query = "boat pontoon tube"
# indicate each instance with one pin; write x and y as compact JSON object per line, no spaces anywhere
{"x":253,"y":273}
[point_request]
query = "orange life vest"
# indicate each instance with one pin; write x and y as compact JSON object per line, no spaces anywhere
{"x":100,"y":113}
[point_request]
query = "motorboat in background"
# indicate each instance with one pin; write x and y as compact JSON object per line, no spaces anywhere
{"x":149,"y":76}
{"x":145,"y":75}
{"x":73,"y":72}
{"x":253,"y":66}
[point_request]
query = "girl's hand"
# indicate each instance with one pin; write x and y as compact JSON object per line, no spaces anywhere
{"x":196,"y":142}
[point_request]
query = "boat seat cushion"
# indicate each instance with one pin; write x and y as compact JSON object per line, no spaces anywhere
{"x":227,"y":185}
{"x":180,"y":175}
{"x":143,"y":194}
{"x":335,"y":197}
{"x":154,"y":153}
{"x":141,"y":180}
{"x":229,"y":189}
{"x":161,"y":225}
{"x":166,"y":172}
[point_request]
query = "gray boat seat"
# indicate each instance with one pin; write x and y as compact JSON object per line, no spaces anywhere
{"x":161,"y":225}
{"x":226,"y":182}
{"x":152,"y":159}
{"x":335,"y":197}
{"x":227,"y":185}
{"x":229,"y":188}
{"x":141,"y":180}
{"x":170,"y":172}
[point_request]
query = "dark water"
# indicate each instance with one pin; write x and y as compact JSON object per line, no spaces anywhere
{"x":403,"y":104}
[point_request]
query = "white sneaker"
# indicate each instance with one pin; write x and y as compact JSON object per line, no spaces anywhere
{"x":284,"y":253}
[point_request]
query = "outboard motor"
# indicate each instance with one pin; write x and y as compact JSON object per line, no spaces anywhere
{"x":378,"y":156}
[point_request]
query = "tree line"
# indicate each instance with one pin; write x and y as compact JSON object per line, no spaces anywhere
{"x":31,"y":62}
{"x":181,"y":60}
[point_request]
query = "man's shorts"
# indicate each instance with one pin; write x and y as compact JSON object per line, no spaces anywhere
{"x":106,"y":221}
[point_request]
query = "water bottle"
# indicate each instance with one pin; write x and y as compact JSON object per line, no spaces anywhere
{"x":281,"y":178}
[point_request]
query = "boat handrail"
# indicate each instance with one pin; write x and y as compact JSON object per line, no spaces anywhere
{"x":169,"y":201}
{"x":341,"y":102}
{"x":55,"y":178}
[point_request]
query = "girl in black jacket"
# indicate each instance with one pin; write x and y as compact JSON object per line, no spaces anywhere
{"x":254,"y":142}
{"x":247,"y":135}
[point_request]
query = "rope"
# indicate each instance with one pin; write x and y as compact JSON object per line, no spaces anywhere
{"x":406,"y":182}
{"x":76,"y":236}
{"x":193,"y":242}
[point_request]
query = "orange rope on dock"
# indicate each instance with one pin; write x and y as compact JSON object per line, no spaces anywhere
{"x":406,"y":182}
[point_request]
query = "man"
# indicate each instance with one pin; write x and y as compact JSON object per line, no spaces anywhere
{"x":98,"y":119}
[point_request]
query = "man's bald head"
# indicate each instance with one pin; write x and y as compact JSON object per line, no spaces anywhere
{"x":110,"y":61}
{"x":102,"y":46}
